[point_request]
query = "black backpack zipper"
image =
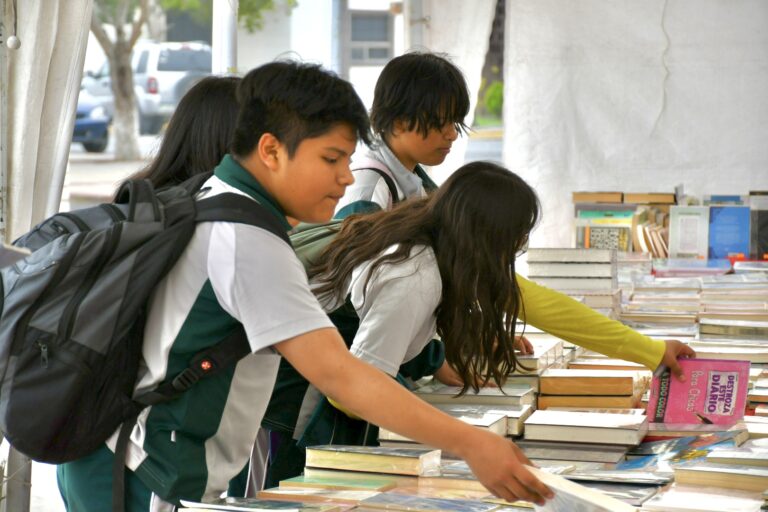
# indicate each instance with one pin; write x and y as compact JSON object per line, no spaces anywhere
{"x":18,"y":339}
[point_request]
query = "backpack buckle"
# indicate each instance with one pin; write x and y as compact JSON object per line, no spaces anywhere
{"x":192,"y":374}
{"x":185,"y":379}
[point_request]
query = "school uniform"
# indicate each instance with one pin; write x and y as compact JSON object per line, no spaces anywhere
{"x":397,"y":322}
{"x":370,"y":191}
{"x":229,"y":274}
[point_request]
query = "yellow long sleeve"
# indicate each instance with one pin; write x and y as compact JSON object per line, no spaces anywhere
{"x":570,"y":320}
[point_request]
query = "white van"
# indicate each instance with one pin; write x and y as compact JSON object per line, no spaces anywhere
{"x":162,"y":74}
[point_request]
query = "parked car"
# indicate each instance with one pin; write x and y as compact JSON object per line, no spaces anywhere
{"x":162,"y":74}
{"x":91,"y":123}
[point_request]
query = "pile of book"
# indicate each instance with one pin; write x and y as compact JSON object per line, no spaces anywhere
{"x":623,"y":220}
{"x":722,"y":226}
{"x":589,"y":274}
{"x":340,"y":478}
{"x":592,"y":388}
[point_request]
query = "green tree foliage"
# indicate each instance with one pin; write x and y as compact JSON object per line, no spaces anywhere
{"x":493,"y":99}
{"x":250,"y":12}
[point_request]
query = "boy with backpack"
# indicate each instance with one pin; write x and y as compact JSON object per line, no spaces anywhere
{"x":297,"y":128}
{"x":419,"y":105}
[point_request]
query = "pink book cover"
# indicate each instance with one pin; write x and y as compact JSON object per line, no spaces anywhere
{"x":715,"y":391}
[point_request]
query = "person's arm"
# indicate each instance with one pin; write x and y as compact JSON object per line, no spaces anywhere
{"x":324,"y":360}
{"x":558,"y":314}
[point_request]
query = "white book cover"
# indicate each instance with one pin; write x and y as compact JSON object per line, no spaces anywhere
{"x":689,"y":232}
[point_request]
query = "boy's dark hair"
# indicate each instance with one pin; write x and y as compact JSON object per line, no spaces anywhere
{"x":426,"y":90}
{"x":294,"y":101}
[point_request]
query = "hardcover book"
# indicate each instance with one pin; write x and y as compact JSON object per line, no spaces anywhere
{"x":730,"y":476}
{"x":586,"y":427}
{"x":569,"y":255}
{"x":689,"y":232}
{"x":402,"y":461}
{"x":486,"y":417}
{"x":714,"y":392}
{"x":438,"y":393}
{"x":729,"y":231}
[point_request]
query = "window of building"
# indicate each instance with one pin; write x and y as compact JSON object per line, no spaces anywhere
{"x":371,"y":37}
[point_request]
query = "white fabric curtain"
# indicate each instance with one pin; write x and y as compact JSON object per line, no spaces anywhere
{"x":634,"y":95}
{"x":43,"y":84}
{"x":460,"y":29}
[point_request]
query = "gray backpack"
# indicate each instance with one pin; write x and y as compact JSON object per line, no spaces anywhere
{"x":73,"y":314}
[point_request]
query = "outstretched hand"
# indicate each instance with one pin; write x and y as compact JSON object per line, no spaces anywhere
{"x":674,"y":350}
{"x":523,"y":346}
{"x":498,"y":464}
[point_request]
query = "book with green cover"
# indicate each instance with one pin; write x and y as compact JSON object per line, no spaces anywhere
{"x":341,"y":482}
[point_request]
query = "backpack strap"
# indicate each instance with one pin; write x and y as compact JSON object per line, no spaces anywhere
{"x":231,"y":207}
{"x":204,"y":364}
{"x":370,"y":164}
{"x":227,"y":207}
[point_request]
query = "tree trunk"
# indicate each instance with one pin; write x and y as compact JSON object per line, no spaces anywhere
{"x":157,"y":22}
{"x":125,"y":128}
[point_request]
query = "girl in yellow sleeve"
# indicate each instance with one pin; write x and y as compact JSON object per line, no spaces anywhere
{"x":444,"y":264}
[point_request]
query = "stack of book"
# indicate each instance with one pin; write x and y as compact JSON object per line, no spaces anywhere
{"x":592,"y":388}
{"x":504,"y":420}
{"x":626,"y":221}
{"x":587,"y":273}
{"x":435,"y":392}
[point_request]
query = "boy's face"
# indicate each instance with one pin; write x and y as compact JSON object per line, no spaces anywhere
{"x":411,"y":147}
{"x":309,"y":185}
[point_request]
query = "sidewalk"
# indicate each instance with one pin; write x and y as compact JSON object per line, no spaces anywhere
{"x":93,"y":178}
{"x":487,"y":132}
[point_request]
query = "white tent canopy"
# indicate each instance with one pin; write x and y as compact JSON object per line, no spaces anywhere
{"x":634,"y":96}
{"x":43,"y":83}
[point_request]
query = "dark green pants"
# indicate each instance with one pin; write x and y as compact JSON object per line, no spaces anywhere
{"x":86,"y":485}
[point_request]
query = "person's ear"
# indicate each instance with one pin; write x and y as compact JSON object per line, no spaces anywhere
{"x":269,"y":152}
{"x":399,"y":126}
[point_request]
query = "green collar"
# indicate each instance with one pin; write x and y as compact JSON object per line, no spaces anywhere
{"x":232,"y":173}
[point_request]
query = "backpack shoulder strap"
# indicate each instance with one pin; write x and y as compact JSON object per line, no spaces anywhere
{"x":371,"y":164}
{"x":231,"y":207}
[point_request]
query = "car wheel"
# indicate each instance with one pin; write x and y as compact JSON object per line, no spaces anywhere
{"x":95,"y":147}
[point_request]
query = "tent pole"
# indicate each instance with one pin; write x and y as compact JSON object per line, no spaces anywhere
{"x":224,"y":37}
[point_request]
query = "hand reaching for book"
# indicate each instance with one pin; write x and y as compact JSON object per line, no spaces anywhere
{"x":674,"y":350}
{"x":523,"y":346}
{"x":500,"y":466}
{"x":448,"y":376}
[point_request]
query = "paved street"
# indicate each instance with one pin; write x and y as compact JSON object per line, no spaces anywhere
{"x":93,"y":177}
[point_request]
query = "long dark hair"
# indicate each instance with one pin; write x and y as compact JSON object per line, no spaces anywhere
{"x":476,"y":223}
{"x":199,"y":133}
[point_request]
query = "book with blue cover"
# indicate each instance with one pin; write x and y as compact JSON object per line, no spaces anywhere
{"x":729,"y":231}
